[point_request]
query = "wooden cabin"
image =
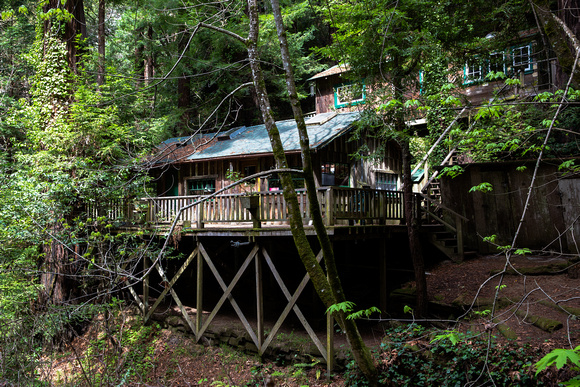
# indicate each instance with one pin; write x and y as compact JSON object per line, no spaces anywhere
{"x":202,"y":164}
{"x":520,"y":61}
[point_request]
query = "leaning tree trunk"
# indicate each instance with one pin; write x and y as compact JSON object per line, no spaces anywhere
{"x":412,"y":224}
{"x":359,"y":349}
{"x":413,"y":233}
{"x":294,"y":217}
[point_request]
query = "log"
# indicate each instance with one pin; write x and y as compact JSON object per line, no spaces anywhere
{"x":551,"y":269}
{"x":506,"y":331}
{"x":562,"y":308}
{"x":545,"y":324}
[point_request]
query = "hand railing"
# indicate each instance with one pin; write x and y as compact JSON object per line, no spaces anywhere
{"x":336,"y":203}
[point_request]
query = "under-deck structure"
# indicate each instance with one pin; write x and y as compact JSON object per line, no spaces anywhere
{"x":239,"y":247}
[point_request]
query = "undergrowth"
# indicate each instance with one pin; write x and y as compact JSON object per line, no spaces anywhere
{"x":417,"y":356}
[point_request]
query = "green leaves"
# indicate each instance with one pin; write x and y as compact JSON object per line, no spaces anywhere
{"x":559,"y":358}
{"x":451,"y":335}
{"x":484,"y":187}
{"x":347,"y":307}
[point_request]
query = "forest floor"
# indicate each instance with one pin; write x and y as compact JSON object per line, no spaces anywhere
{"x":154,"y":356}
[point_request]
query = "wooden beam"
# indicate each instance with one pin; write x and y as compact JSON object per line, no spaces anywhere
{"x":259,"y":301}
{"x":169,"y":286}
{"x":329,"y":344}
{"x":136,"y":297}
{"x":199,"y":294}
{"x":145,"y":285}
{"x":227,"y":293}
{"x":291,"y":305}
{"x":177,"y":300}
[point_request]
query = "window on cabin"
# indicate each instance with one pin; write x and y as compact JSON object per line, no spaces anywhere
{"x":473,"y":71}
{"x":336,"y":174}
{"x":497,"y":62}
{"x":522,"y":58}
{"x":248,"y":171}
{"x":349,"y":94}
{"x":274,"y":183}
{"x":200,"y":186}
{"x":386,"y":181}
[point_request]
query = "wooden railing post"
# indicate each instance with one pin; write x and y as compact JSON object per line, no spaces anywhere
{"x":329,"y":207}
{"x":199,"y":220}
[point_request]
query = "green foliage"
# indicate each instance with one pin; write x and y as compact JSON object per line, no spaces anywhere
{"x":451,"y":335}
{"x":482,"y":187}
{"x":452,"y":171}
{"x":522,"y":251}
{"x":560,"y":358}
{"x":347,"y":308}
{"x":414,"y":355}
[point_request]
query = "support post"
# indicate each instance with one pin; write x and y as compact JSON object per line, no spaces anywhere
{"x":259,"y":300}
{"x":145,"y":286}
{"x":329,"y":344}
{"x":418,"y":204}
{"x":199,"y":292}
{"x":383,"y":276}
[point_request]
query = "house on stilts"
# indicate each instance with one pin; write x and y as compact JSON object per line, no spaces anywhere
{"x":240,"y":252}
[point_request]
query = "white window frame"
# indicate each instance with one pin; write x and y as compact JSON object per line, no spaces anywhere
{"x":503,"y":61}
{"x":344,"y":90}
{"x":528,"y":62}
{"x":468,"y":72}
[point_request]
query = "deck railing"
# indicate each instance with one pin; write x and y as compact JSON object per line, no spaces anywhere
{"x":338,"y":205}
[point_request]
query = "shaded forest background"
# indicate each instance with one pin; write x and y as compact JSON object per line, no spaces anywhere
{"x":89,"y":88}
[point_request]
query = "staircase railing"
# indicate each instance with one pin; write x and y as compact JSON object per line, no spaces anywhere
{"x":436,"y":211}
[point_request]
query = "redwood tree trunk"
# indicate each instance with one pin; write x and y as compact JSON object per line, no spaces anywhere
{"x":72,"y":29}
{"x":183,"y":84}
{"x":101,"y":44}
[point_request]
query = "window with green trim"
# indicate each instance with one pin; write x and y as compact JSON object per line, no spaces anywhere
{"x":522,"y":58}
{"x":386,"y":181}
{"x":474,"y":71}
{"x":200,"y":186}
{"x":349,"y":94}
{"x":497,"y":62}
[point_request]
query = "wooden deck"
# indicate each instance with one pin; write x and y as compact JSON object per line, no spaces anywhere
{"x":260,"y":210}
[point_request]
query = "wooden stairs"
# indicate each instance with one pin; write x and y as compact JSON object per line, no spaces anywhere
{"x":443,"y":227}
{"x":446,"y":241}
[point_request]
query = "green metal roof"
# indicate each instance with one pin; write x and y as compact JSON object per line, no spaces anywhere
{"x":254,"y":139}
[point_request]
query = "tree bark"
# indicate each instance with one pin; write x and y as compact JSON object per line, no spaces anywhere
{"x":412,"y":226}
{"x":359,"y":349}
{"x":101,"y":44}
{"x":149,"y":62}
{"x":183,"y":83}
{"x":72,"y":29}
{"x":294,"y":217}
